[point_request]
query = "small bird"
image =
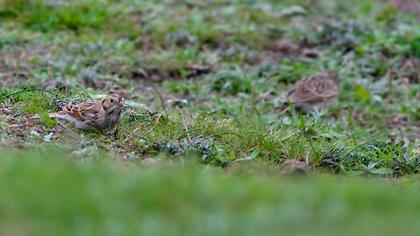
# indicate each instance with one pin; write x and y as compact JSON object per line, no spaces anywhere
{"x":102,"y":115}
{"x":314,"y":92}
{"x":294,"y":167}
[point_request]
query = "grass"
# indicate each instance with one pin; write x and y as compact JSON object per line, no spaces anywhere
{"x":52,"y":195}
{"x":204,"y":83}
{"x":44,"y":16}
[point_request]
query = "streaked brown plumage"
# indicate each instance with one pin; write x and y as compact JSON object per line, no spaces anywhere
{"x":101,"y":115}
{"x":316,"y":91}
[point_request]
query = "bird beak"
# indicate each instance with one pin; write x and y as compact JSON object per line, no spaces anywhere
{"x":121,"y":100}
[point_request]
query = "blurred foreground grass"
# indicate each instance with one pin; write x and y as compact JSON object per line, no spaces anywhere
{"x":45,"y":193}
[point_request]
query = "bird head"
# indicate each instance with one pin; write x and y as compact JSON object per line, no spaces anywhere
{"x":112,"y":103}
